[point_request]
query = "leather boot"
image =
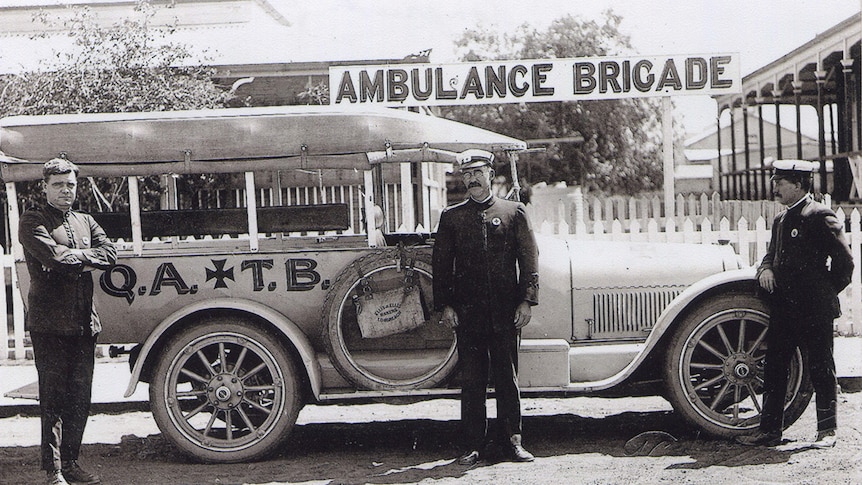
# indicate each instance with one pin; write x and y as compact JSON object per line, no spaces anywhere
{"x":469,"y":458}
{"x":74,"y":473}
{"x":761,"y":438}
{"x":517,"y":452}
{"x":827,"y":418}
{"x":55,"y":477}
{"x":825,"y":439}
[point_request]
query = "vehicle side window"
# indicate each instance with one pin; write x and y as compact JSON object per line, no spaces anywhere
{"x":214,"y":205}
{"x":311,"y":188}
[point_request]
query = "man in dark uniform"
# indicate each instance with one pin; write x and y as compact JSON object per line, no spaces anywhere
{"x":61,"y":248}
{"x":803,"y":295}
{"x":485,"y":265}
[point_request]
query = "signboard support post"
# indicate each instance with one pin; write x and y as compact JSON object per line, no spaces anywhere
{"x":667,"y":152}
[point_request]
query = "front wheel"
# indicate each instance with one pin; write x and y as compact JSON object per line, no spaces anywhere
{"x":225,"y":391}
{"x":714,"y":367}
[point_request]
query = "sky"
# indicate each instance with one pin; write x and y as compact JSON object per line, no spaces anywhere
{"x":760,"y":31}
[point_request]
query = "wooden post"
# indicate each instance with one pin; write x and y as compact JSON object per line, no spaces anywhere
{"x":135,"y":215}
{"x":368,"y":204}
{"x":667,"y":134}
{"x":12,"y":218}
{"x":251,"y":209}
{"x":408,"y":219}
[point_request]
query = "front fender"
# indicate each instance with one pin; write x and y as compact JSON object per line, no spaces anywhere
{"x":284,"y":325}
{"x":680,"y":304}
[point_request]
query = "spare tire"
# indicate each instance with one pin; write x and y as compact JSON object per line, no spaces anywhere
{"x":418,"y":357}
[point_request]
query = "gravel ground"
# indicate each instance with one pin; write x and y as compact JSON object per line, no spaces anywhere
{"x":576,"y":440}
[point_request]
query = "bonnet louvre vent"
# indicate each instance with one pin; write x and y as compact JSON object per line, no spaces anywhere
{"x":629,"y":312}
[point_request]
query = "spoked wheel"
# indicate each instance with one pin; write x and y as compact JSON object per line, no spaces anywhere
{"x":224,"y":391}
{"x":715,"y":364}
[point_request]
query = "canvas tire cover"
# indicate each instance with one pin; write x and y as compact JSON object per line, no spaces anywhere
{"x":405,"y":355}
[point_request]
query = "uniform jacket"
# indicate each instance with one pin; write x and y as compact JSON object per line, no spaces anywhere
{"x":802,"y":239}
{"x":485,"y":262}
{"x":60,"y":299}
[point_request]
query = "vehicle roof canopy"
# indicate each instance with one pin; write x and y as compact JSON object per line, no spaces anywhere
{"x":234,"y":140}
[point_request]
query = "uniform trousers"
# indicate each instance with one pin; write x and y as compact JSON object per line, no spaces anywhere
{"x":477,"y":353}
{"x":790,"y":328}
{"x":65,"y":367}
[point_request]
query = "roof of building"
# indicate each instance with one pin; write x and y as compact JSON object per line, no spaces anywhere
{"x":725,"y":124}
{"x":695,"y":155}
{"x":217,"y":32}
{"x":797,"y":70}
{"x":693,"y":172}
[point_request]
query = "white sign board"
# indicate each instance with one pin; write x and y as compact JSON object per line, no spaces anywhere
{"x":530,"y":81}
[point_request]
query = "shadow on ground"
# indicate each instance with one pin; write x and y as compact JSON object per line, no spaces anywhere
{"x":394,"y":452}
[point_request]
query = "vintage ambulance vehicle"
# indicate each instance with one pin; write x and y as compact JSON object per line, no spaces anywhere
{"x":275,"y":257}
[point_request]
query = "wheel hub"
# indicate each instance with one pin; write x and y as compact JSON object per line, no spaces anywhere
{"x":740,"y":368}
{"x":225,"y":391}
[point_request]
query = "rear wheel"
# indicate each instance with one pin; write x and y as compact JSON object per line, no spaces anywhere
{"x":225,"y":391}
{"x":714,"y":367}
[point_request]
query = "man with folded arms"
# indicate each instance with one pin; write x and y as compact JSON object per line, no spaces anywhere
{"x":61,"y":248}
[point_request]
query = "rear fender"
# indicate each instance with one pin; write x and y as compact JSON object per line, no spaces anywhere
{"x":277,"y":320}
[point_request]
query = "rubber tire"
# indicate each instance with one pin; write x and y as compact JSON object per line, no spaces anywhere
{"x":333,"y":337}
{"x":702,"y":323}
{"x":261,"y":347}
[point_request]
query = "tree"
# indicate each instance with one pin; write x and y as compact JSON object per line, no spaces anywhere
{"x":621,"y":152}
{"x":314,"y":94}
{"x":128,"y":66}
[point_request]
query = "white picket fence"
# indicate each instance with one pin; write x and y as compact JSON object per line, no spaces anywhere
{"x":694,"y":224}
{"x":577,"y":213}
{"x":13,"y":308}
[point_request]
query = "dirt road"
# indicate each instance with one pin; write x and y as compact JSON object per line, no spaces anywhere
{"x":578,"y":440}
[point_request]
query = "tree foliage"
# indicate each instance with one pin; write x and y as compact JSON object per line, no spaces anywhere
{"x":621,"y":151}
{"x":129,"y":66}
{"x":314,"y":94}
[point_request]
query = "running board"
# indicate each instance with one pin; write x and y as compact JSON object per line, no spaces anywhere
{"x":29,"y":391}
{"x":556,"y":365}
{"x":545,"y":366}
{"x":354,"y":395}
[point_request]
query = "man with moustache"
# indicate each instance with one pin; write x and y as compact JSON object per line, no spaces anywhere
{"x":802,"y":290}
{"x":61,"y":248}
{"x":485,"y":265}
